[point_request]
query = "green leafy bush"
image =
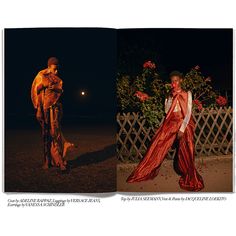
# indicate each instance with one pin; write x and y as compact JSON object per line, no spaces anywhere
{"x":145,"y":93}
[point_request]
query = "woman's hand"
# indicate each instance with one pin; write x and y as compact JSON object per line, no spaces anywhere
{"x":180,"y":134}
{"x":51,"y":86}
{"x":55,"y":88}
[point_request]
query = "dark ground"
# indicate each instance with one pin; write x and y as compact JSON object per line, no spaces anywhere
{"x":93,"y":163}
{"x":94,"y":166}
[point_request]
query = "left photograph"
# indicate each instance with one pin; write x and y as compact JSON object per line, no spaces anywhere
{"x":60,"y":106}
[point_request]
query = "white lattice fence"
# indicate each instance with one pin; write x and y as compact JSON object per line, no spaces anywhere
{"x":213,"y":133}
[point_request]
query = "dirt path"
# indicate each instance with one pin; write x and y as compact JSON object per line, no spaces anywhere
{"x":92,"y":164}
{"x":216,"y":172}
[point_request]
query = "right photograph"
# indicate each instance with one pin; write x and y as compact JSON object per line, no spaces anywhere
{"x":174,"y":118}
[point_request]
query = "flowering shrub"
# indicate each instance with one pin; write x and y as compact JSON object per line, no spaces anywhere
{"x":198,"y":104}
{"x":149,"y":65}
{"x":142,"y":96}
{"x":201,"y":88}
{"x":145,"y":93}
{"x":221,"y":101}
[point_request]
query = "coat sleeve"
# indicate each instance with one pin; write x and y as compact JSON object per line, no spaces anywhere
{"x":188,"y":113}
{"x":168,"y":102}
{"x":35,"y":89}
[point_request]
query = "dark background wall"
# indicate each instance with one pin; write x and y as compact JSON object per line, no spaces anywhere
{"x":90,"y":58}
{"x":87,"y":62}
{"x":179,"y":49}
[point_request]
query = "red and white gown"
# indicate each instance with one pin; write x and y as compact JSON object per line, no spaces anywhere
{"x":178,"y":117}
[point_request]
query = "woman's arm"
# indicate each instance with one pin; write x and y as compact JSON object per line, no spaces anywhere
{"x":40,"y":85}
{"x":188,"y":113}
{"x":168,"y":102}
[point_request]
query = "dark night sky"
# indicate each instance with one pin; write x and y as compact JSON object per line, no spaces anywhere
{"x":87,"y":61}
{"x":179,"y":49}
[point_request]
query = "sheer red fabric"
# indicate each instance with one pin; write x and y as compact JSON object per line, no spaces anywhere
{"x":162,"y":141}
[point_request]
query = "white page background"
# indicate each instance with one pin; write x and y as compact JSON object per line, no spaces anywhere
{"x":113,"y":216}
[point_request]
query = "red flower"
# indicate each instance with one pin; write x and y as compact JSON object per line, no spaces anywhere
{"x":222,"y":101}
{"x":173,"y":85}
{"x":149,"y":65}
{"x":198,"y":104}
{"x":142,"y":96}
{"x":197,"y":67}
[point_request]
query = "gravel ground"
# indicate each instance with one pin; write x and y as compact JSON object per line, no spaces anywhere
{"x":217,"y":173}
{"x":94,"y":167}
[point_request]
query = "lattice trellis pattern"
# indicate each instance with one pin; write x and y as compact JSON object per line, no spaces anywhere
{"x":213,"y":134}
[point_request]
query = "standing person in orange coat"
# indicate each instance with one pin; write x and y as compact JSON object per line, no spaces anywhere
{"x":45,"y":94}
{"x":178,"y":124}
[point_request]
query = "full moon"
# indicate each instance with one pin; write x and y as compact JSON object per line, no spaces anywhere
{"x":82,"y":93}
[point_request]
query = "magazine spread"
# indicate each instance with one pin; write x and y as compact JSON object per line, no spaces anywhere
{"x":94,"y":110}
